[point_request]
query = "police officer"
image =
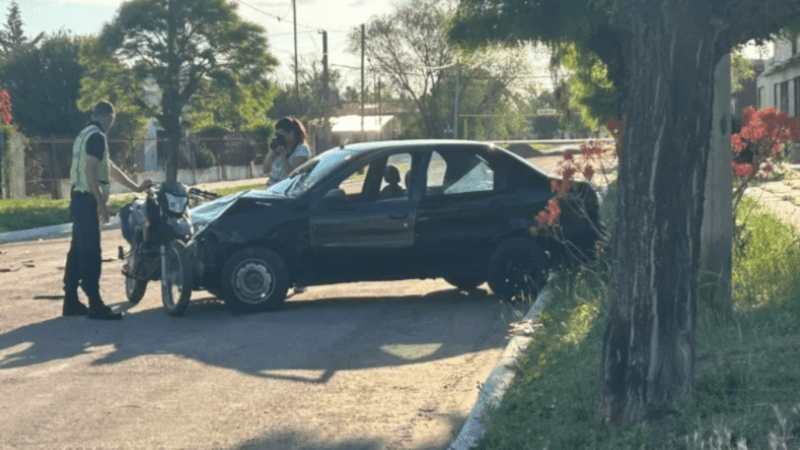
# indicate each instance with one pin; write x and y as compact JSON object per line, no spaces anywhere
{"x":89,"y":174}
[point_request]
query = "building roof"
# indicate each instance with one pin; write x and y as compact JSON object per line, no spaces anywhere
{"x":352,"y":123}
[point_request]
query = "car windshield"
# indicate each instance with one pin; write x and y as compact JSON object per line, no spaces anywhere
{"x":312,"y":172}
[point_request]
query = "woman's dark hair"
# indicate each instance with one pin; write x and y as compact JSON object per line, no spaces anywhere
{"x":293,"y":124}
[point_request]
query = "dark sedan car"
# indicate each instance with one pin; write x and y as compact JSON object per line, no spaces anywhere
{"x":459,"y":210}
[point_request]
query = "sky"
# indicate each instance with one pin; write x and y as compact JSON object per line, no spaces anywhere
{"x":338,"y":17}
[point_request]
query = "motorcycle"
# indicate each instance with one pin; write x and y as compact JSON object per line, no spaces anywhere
{"x":157,"y":227}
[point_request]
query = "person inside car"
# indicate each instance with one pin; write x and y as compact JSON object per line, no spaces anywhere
{"x":392,"y":176}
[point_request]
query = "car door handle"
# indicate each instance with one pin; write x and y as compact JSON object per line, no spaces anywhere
{"x":398,"y":216}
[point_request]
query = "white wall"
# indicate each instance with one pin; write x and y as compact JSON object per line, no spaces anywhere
{"x":186,"y":176}
{"x":773,"y":75}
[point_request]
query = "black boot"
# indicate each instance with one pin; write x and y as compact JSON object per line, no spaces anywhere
{"x":72,"y":306}
{"x":97,"y":310}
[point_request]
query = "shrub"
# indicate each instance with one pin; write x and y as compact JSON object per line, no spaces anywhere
{"x":766,"y":260}
{"x":206,"y":159}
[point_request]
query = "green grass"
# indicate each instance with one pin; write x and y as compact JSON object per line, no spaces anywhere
{"x":541,"y":146}
{"x":747,"y":388}
{"x":20,"y":214}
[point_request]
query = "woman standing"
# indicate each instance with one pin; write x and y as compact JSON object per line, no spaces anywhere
{"x":287,"y":151}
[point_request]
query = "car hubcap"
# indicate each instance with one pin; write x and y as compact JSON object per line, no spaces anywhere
{"x":253,"y":281}
{"x":520,"y":278}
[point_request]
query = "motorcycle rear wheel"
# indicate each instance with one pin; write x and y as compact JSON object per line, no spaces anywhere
{"x":134,"y":287}
{"x":176,"y":283}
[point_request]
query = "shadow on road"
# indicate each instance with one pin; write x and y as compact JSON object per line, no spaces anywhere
{"x":307,"y":341}
{"x":299,"y":440}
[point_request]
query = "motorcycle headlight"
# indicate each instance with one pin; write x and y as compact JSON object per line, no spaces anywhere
{"x":176,"y":203}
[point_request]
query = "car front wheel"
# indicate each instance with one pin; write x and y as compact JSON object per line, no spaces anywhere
{"x":254,"y":279}
{"x":518,"y":269}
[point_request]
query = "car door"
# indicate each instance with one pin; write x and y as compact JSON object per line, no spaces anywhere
{"x":461,"y":211}
{"x":358,"y":231}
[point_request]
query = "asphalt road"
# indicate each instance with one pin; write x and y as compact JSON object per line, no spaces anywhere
{"x":355,"y":366}
{"x":392,"y":365}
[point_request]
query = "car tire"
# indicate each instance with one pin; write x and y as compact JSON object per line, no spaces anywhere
{"x":464,"y":282}
{"x":176,"y":288}
{"x":254,"y":279}
{"x":518,"y":269}
{"x":134,"y":287}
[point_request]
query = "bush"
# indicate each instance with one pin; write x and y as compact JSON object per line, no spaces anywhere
{"x":206,"y":159}
{"x":766,"y":259}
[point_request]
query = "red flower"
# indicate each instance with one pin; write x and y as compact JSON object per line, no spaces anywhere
{"x":743,"y":170}
{"x":567,"y":155}
{"x":588,"y":172}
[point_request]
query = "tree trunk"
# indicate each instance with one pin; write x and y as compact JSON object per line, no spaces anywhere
{"x":648,"y":349}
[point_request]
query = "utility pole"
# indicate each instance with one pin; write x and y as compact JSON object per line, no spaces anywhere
{"x":296,"y":77}
{"x":362,"y":84}
{"x":455,"y":108}
{"x":380,"y":113}
{"x":326,"y":92}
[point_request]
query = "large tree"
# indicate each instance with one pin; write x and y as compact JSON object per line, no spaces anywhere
{"x":44,"y":83}
{"x":409,"y":46}
{"x":311,"y":89}
{"x":662,"y":55}
{"x":105,"y":77}
{"x":186,"y":47}
{"x":12,"y":38}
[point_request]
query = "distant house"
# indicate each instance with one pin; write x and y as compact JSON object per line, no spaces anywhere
{"x":779,"y":84}
{"x":347,"y":129}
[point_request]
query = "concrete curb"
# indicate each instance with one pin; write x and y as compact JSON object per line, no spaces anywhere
{"x":49,"y":232}
{"x":498,"y":381}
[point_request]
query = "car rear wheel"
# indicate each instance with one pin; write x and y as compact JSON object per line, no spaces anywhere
{"x":254,"y":279}
{"x":518,"y":269}
{"x":465,"y":283}
{"x":176,"y":287}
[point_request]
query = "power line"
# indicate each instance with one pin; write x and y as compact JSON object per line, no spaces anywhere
{"x":423,"y":74}
{"x":281,"y":19}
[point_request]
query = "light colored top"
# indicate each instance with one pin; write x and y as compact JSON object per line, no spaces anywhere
{"x":278,"y":172}
{"x":77,"y":172}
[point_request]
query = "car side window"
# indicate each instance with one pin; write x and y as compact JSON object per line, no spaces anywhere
{"x":353,"y":185}
{"x":436,"y":171}
{"x":466,"y":172}
{"x":396,"y":178}
{"x":479,"y":179}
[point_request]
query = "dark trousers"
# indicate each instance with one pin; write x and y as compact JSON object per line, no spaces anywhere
{"x":83,"y":260}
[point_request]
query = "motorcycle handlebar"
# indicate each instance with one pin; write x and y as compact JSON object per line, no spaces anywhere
{"x":205,"y":194}
{"x":150,"y":192}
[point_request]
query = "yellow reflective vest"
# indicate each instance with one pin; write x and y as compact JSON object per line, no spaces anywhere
{"x":77,"y":173}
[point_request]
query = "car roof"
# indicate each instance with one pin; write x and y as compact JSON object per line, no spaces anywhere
{"x":370,"y":147}
{"x":363,"y":149}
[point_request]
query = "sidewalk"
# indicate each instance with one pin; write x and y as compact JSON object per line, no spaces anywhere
{"x":783,"y":196}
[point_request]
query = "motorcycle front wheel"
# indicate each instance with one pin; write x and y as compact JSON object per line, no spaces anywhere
{"x":176,"y":279}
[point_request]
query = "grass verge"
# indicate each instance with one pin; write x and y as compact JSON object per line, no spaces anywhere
{"x":748,"y":369}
